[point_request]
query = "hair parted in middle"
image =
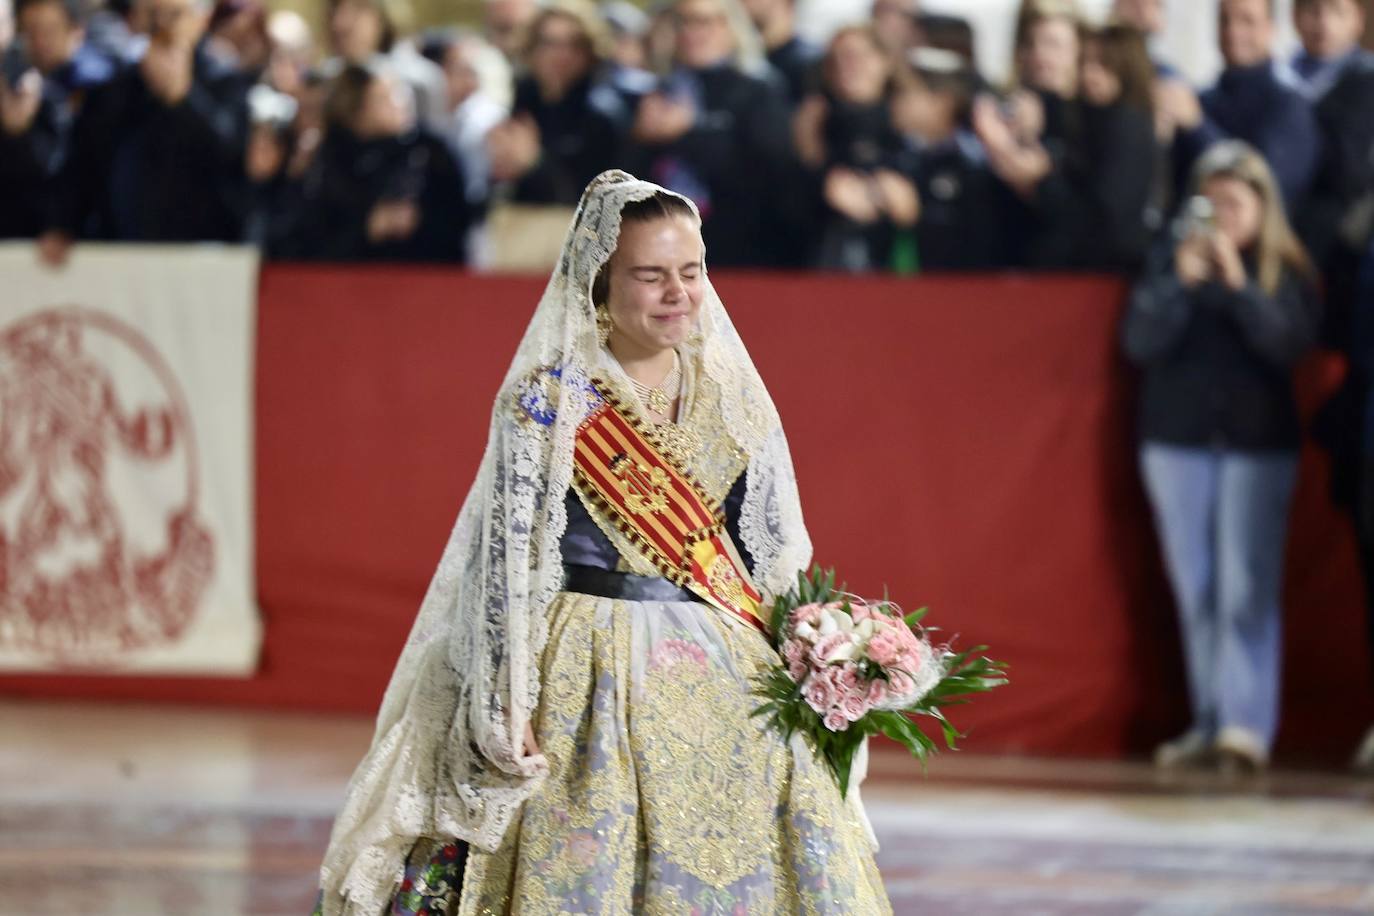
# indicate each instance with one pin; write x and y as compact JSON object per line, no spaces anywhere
{"x":658,"y":206}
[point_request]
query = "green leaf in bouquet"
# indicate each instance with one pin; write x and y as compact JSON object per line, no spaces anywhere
{"x":952,"y":734}
{"x":915,"y":616}
{"x":904,"y":731}
{"x":843,"y":746}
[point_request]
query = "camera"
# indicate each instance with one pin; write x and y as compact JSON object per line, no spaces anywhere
{"x":1198,"y":218}
{"x":270,"y":108}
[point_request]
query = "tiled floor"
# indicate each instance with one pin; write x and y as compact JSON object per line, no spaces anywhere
{"x":119,"y":810}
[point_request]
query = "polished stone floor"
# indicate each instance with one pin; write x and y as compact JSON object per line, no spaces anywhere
{"x":115,"y":810}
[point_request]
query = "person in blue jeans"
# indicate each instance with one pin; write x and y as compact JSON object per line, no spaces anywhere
{"x":1217,"y":325}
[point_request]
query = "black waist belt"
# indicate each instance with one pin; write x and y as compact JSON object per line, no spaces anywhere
{"x":589,"y":580}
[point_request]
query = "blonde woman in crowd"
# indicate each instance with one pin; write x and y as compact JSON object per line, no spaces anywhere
{"x":1217,"y":327}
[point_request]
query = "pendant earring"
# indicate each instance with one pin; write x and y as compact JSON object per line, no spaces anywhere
{"x":603,"y":326}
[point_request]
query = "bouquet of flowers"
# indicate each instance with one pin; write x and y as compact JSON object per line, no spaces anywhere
{"x":853,"y":668}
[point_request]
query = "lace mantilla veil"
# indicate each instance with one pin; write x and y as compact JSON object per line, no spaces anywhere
{"x":447,"y":759}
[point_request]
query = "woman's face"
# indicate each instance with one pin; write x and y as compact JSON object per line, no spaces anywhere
{"x":559,"y":56}
{"x":356,"y":28}
{"x":1329,"y":28}
{"x":1247,"y":32}
{"x":386,"y":110}
{"x":1100,"y":85}
{"x":656,"y":283}
{"x":704,"y":38}
{"x":858,"y":70}
{"x":918,"y":112}
{"x":1048,"y":60}
{"x":1239,"y":209}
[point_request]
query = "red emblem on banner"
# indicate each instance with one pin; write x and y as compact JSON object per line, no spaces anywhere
{"x":101,"y":548}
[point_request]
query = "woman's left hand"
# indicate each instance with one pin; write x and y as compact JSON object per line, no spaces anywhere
{"x":899,"y":198}
{"x":1230,"y":267}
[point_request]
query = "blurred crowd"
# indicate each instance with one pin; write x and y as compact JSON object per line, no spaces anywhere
{"x":1244,"y":211}
{"x":166,"y":120}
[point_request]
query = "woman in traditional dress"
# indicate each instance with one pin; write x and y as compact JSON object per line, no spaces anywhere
{"x":569,"y":727}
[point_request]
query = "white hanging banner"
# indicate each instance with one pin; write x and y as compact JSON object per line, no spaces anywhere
{"x":126,"y":457}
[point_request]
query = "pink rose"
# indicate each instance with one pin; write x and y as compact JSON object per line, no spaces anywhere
{"x":854,"y":706}
{"x":848,"y":678}
{"x":818,"y":691}
{"x":806,"y":613}
{"x":860,"y":611}
{"x":877,"y":693}
{"x":835,"y":721}
{"x":900,"y":685}
{"x":794,"y":654}
{"x":886,"y":646}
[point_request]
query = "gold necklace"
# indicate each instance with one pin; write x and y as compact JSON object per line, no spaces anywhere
{"x":658,"y":398}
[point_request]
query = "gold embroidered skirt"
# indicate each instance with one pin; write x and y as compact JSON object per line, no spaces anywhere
{"x":664,"y":795}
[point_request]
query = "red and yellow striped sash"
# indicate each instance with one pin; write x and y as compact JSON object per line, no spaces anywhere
{"x":661,"y":509}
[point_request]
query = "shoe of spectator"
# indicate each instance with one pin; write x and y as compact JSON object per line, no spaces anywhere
{"x":1240,"y":752}
{"x":1364,"y":757}
{"x":1191,"y":749}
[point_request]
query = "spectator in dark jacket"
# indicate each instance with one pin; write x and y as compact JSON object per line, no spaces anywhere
{"x":1086,"y":179}
{"x":382,"y":188}
{"x":1338,"y":76}
{"x":844,"y":134}
{"x":360,"y":31}
{"x":796,"y":59}
{"x":715,"y":126}
{"x":1117,"y":155}
{"x":1250,"y":102}
{"x":1217,"y":327}
{"x":157,"y":152}
{"x":1148,"y":18}
{"x":960,"y":221}
{"x":1338,"y":226}
{"x":52,"y":69}
{"x":567,"y":123}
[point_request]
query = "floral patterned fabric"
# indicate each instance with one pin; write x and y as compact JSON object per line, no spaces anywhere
{"x":665,"y":796}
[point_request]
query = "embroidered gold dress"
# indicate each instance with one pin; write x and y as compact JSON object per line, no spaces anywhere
{"x":655,"y":790}
{"x":664,"y":794}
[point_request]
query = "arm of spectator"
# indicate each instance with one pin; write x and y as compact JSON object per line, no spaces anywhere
{"x":83,"y":175}
{"x":26,"y":153}
{"x":1281,"y":327}
{"x":1349,"y":140}
{"x":897,"y":197}
{"x":1181,"y":113}
{"x":19,"y":106}
{"x":220,"y":123}
{"x":1157,"y":315}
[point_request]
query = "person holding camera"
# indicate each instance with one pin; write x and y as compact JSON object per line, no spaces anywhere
{"x":1217,"y":326}
{"x":382,"y":187}
{"x":157,"y":152}
{"x":44,"y":74}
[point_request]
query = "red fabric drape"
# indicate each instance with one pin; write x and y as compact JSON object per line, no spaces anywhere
{"x":966,"y":442}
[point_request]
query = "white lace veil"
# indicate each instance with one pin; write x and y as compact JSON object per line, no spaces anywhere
{"x":446,"y":760}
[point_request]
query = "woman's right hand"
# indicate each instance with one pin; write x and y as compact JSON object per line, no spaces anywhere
{"x":531,"y":745}
{"x":1193,"y":261}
